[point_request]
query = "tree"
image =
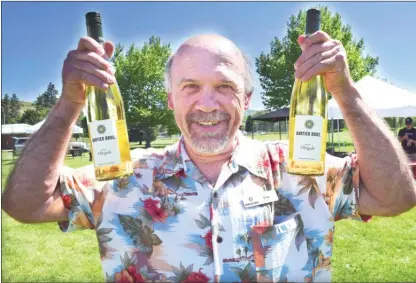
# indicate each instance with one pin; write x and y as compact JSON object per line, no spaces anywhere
{"x":5,"y":105}
{"x":14,"y":110}
{"x":140,"y":75}
{"x":276,"y":69}
{"x":31,"y":117}
{"x":48,"y":98}
{"x":249,"y":124}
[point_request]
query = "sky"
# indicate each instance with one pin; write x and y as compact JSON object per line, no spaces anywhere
{"x":36,"y":36}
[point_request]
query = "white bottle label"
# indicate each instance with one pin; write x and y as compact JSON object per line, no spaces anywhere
{"x":307,"y":145}
{"x":104,"y":142}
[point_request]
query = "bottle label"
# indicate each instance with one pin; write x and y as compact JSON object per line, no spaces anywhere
{"x":104,"y":142}
{"x":308,"y":138}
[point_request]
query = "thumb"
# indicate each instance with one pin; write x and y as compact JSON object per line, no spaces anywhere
{"x":109,"y":48}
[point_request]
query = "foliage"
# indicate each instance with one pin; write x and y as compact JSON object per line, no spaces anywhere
{"x":249,"y":124}
{"x":13,"y":110}
{"x":47,"y":99}
{"x":5,"y":105}
{"x":276,"y":69}
{"x":140,"y":76}
{"x":31,"y":117}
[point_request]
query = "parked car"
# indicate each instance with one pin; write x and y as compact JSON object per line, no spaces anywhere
{"x":19,"y":144}
{"x":77,"y":148}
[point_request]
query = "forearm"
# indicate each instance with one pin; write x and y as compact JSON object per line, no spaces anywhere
{"x":35,"y":176}
{"x":384,"y":171}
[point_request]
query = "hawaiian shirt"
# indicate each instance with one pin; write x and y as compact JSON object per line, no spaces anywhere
{"x":167,"y":223}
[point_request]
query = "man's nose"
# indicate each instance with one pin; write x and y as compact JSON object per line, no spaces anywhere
{"x":207,"y":101}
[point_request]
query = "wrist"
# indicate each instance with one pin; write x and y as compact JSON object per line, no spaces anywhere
{"x":348,"y":97}
{"x":67,"y":111}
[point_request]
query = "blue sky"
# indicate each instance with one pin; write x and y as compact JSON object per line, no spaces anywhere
{"x":36,"y":36}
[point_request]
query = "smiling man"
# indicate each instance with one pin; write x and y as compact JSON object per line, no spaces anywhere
{"x":215,"y":206}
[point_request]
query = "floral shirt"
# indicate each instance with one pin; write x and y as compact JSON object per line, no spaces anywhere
{"x":166,"y":223}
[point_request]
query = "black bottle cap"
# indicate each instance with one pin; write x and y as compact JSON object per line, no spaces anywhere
{"x":93,"y":18}
{"x":313,"y":21}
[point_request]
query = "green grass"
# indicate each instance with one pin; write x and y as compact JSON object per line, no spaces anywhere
{"x":380,"y":251}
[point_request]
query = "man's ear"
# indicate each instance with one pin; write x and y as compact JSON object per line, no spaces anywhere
{"x":247,"y":100}
{"x":170,"y":101}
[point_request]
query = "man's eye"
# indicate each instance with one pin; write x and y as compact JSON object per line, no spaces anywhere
{"x":191,"y":86}
{"x":225,"y":87}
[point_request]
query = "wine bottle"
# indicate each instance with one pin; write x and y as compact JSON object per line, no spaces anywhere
{"x":106,"y":121}
{"x":308,"y":118}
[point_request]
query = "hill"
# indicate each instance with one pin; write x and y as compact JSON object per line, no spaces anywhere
{"x":26,"y":105}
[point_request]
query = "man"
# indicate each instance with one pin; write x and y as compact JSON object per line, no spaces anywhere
{"x":407,"y":136}
{"x":195,"y":212}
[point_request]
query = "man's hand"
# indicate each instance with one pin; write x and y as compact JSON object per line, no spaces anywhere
{"x":322,"y":55}
{"x":87,"y":65}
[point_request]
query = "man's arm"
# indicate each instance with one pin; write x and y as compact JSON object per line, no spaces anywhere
{"x":389,"y":188}
{"x":31,"y":193}
{"x":401,"y":135}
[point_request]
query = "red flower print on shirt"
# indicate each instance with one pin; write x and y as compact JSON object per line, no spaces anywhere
{"x":208,"y":239}
{"x":152,"y":208}
{"x":180,"y":173}
{"x":67,"y":199}
{"x":197,"y":277}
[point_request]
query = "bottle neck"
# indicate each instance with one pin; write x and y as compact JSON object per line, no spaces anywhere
{"x":96,"y":32}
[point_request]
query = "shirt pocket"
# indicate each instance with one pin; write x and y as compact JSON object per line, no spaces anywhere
{"x":272,"y":246}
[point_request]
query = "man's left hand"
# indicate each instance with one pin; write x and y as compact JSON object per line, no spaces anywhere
{"x":322,"y":55}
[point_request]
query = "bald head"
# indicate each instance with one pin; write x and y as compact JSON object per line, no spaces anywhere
{"x":223,"y":48}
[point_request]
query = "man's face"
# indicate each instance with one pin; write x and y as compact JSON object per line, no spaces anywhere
{"x":208,"y":96}
{"x":409,"y":126}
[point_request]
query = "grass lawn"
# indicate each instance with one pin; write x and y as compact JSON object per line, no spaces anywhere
{"x":383,"y":250}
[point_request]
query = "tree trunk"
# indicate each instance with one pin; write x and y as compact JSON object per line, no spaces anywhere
{"x":147,"y":143}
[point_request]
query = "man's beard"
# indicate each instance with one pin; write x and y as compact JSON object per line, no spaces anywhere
{"x":209,"y":142}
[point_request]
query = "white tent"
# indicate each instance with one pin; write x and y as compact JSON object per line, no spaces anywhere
{"x":10,"y":129}
{"x":385,"y":99}
{"x":34,"y":128}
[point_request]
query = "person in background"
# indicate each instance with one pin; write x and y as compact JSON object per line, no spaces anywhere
{"x":407,"y":136}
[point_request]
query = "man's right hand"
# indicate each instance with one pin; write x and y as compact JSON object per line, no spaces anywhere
{"x":86,"y":66}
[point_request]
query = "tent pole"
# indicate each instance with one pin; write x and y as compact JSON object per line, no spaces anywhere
{"x":332,"y":132}
{"x":339,"y":148}
{"x":252,"y":130}
{"x":280,"y":131}
{"x":395,"y":126}
{"x":287,"y":131}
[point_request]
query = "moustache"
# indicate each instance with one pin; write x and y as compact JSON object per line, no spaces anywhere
{"x":207,"y":117}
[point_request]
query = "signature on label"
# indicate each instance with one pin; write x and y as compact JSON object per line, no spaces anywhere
{"x":307,"y":147}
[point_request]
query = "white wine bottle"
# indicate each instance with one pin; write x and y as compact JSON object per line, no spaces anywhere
{"x":308,"y":118}
{"x":106,"y":121}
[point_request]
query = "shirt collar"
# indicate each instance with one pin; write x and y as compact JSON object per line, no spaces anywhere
{"x":250,"y":154}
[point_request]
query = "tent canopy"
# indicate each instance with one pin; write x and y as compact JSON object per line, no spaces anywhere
{"x":274,"y":116}
{"x":34,"y":128}
{"x":10,"y":129}
{"x":385,"y":99}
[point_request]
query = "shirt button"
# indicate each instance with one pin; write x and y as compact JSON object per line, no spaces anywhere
{"x":215,"y":194}
{"x":219,"y":240}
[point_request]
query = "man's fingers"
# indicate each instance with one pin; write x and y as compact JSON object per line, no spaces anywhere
{"x":316,"y":37}
{"x":316,"y":59}
{"x":87,"y":79}
{"x":88,"y":44}
{"x":331,"y":65}
{"x":93,"y":58}
{"x":93,"y":70}
{"x":315,"y":49}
